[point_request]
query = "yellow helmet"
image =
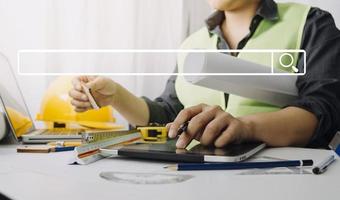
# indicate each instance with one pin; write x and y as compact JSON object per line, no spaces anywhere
{"x":21,"y":124}
{"x":58,"y":112}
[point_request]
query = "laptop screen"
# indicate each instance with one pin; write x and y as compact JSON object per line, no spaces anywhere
{"x":12,"y":101}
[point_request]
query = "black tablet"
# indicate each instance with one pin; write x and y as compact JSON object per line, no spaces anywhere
{"x":197,"y":154}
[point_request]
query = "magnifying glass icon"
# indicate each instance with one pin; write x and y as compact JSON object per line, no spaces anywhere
{"x":287,"y":56}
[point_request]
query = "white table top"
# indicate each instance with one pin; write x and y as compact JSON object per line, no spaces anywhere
{"x":48,"y":176}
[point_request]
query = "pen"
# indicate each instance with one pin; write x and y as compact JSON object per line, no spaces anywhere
{"x":42,"y":149}
{"x":183,"y":128}
{"x":61,"y":149}
{"x":337,"y":150}
{"x":240,"y":165}
{"x":322,"y":167}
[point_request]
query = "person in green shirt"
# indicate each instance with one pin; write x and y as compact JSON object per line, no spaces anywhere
{"x":311,"y":120}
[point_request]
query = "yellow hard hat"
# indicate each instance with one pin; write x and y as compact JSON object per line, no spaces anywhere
{"x":21,"y":124}
{"x":58,"y":112}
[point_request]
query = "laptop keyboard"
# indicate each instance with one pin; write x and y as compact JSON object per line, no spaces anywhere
{"x":63,"y":131}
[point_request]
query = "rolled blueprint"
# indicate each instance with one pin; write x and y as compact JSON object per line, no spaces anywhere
{"x":277,"y":90}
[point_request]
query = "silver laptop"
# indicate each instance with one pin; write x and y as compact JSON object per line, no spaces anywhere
{"x":13,"y":103}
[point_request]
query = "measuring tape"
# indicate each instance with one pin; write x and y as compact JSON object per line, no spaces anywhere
{"x":154,"y":134}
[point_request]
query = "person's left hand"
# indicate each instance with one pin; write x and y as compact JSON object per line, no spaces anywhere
{"x":210,"y":125}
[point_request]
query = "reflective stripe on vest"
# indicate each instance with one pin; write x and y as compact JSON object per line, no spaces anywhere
{"x":284,"y":33}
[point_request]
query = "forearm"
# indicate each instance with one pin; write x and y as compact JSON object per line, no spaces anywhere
{"x":131,"y":107}
{"x":291,"y":126}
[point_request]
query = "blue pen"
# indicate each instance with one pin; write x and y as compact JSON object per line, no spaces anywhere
{"x":240,"y":165}
{"x":337,"y":150}
{"x":61,"y":149}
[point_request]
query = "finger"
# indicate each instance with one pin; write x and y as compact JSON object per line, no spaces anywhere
{"x":96,"y":83}
{"x":184,"y":116}
{"x":215,"y":128}
{"x":180,"y":151}
{"x":76,"y":95}
{"x":183,"y":140}
{"x":76,"y":82}
{"x":81,"y":104}
{"x":198,"y":136}
{"x":168,"y":126}
{"x":200,"y":121}
{"x":195,"y":128}
{"x":228,"y":136}
{"x":91,"y":78}
{"x":86,"y":79}
{"x":80,"y":110}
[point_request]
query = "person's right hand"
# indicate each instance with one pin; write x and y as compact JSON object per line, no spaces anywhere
{"x":103,"y":90}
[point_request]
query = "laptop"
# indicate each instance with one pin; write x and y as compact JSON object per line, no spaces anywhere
{"x":16,"y":111}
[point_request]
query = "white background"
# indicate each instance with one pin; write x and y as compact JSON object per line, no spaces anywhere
{"x":104,"y":24}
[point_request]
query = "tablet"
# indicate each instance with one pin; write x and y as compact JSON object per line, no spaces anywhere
{"x":197,"y":154}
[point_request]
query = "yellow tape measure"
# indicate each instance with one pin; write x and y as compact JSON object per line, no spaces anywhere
{"x":153,"y":134}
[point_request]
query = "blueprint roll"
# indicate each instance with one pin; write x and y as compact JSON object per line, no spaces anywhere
{"x":276,"y":90}
{"x":3,"y":126}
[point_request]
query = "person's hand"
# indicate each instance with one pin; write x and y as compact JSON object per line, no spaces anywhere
{"x":103,"y":90}
{"x":210,"y":125}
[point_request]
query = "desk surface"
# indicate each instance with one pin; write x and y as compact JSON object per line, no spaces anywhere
{"x":48,"y":176}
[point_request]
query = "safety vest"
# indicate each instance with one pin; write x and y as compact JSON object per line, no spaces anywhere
{"x":284,"y":33}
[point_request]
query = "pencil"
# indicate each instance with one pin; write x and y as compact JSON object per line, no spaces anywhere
{"x":238,"y":166}
{"x":65,"y":143}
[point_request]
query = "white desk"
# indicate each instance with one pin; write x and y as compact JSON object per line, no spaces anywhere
{"x":48,"y":176}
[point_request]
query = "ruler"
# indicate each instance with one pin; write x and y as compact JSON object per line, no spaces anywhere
{"x":89,"y":153}
{"x":95,"y":136}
